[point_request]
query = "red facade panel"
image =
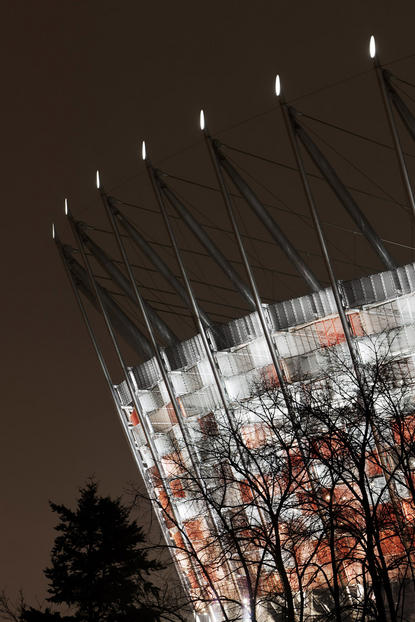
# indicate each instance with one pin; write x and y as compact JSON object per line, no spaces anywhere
{"x":197,"y":530}
{"x":330,"y":331}
{"x":208,"y":425}
{"x":177,"y":488}
{"x":254,"y":435}
{"x":134,"y":417}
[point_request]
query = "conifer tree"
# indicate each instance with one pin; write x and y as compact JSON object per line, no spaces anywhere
{"x":99,"y":568}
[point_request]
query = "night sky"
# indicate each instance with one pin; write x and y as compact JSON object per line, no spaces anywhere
{"x":82,"y":83}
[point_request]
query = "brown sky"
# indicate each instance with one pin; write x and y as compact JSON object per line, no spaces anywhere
{"x":82,"y":82}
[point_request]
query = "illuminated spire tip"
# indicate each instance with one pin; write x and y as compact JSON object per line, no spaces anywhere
{"x":53,"y":231}
{"x":97,"y":180}
{"x":277,"y":85}
{"x":143,"y":150}
{"x":372,"y":47}
{"x":66,"y":207}
{"x":202,"y":120}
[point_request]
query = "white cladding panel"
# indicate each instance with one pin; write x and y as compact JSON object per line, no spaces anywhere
{"x":242,"y":386}
{"x":233,"y":363}
{"x":259,"y":352}
{"x":146,"y":456}
{"x":163,"y":444}
{"x":202,"y":401}
{"x":184,"y":382}
{"x":189,"y":509}
{"x":138,"y":435}
{"x":160,"y":419}
{"x":150,"y":399}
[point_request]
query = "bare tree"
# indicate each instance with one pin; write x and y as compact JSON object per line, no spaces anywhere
{"x":303,"y":513}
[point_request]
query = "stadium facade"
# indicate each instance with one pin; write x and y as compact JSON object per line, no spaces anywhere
{"x":303,"y":330}
{"x":186,"y":393}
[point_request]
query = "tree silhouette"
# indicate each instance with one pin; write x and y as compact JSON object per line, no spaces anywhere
{"x":299,"y":514}
{"x":99,"y":568}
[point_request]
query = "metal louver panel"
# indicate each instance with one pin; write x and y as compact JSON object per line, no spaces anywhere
{"x":147,"y":374}
{"x":302,"y":310}
{"x":123,"y":393}
{"x":379,"y":287}
{"x":186,"y":353}
{"x":284,"y":315}
{"x":242,"y":330}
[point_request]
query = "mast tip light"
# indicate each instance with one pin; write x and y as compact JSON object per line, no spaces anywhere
{"x":143,"y":150}
{"x":66,"y":207}
{"x":202,"y":120}
{"x":97,"y":181}
{"x":372,"y":47}
{"x":53,"y":231}
{"x":277,"y":85}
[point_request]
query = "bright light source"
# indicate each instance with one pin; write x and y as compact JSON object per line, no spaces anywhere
{"x":277,"y":85}
{"x":327,"y":497}
{"x":372,"y":47}
{"x":143,"y":150}
{"x":66,"y":207}
{"x":202,"y":120}
{"x":53,"y":231}
{"x":97,"y":180}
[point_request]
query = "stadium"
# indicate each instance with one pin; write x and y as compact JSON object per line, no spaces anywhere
{"x":276,"y":446}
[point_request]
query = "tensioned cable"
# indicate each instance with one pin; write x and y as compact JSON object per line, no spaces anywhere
{"x":413,"y":100}
{"x":303,"y":218}
{"x":176,"y":305}
{"x":353,"y":77}
{"x":289,"y":211}
{"x":357,"y":168}
{"x":132,"y":309}
{"x":397,"y":60}
{"x":263,"y":241}
{"x":188,"y":313}
{"x":286,"y":210}
{"x":254,"y":250}
{"x":283,"y":209}
{"x":402,"y":90}
{"x":198,"y":281}
{"x":312,"y":253}
{"x":196,"y":266}
{"x":258,"y":115}
{"x":309,"y":174}
{"x":353,"y":133}
{"x":136,"y":314}
{"x":125,"y":304}
{"x":160,"y":301}
{"x":129,"y":311}
{"x":311,"y":93}
{"x":329,"y":86}
{"x":236,"y":261}
{"x":395,"y":77}
{"x":230,"y":236}
{"x":167,"y":291}
{"x":197,"y":253}
{"x":292,"y":168}
{"x":163,"y":310}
